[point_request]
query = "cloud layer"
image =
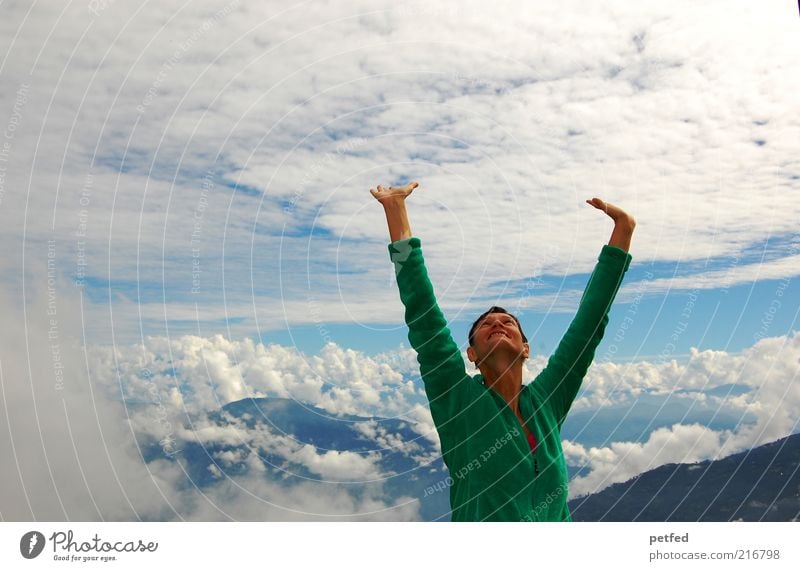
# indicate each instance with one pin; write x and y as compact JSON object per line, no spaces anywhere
{"x":769,"y":368}
{"x":221,"y":154}
{"x":87,"y":414}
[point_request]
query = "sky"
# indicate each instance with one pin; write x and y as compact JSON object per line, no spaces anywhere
{"x":185,"y":187}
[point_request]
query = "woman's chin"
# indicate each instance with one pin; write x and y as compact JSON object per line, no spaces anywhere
{"x":505,"y":348}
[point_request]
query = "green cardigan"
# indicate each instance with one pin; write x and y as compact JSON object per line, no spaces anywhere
{"x":494,"y":475}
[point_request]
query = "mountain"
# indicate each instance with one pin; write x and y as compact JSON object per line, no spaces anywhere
{"x":409,"y":461}
{"x":762,"y":484}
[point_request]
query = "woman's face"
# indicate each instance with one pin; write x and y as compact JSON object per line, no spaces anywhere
{"x":497,"y":332}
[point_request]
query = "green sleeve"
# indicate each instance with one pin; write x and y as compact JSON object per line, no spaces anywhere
{"x":440,"y":362}
{"x":559,"y":382}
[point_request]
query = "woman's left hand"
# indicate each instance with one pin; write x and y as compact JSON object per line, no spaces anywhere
{"x":614,"y":212}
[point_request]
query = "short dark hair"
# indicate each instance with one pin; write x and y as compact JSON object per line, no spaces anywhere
{"x":494,"y":309}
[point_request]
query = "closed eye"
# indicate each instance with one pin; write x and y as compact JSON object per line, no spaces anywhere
{"x":504,"y":322}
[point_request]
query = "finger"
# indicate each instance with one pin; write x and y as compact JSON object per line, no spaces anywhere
{"x":413,"y":185}
{"x":380,"y":188}
{"x":373,"y":193}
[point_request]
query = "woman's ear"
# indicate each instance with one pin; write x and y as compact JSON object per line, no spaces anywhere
{"x":526,"y":350}
{"x":471,"y":354}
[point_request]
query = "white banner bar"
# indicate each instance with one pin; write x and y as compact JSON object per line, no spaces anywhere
{"x":401,"y":546}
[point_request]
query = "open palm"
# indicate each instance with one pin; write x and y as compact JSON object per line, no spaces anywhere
{"x":393,"y":192}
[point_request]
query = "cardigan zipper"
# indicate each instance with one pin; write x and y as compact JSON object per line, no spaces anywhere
{"x":522,"y":426}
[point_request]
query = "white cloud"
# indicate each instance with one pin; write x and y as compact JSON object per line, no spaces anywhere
{"x":770,"y":368}
{"x":623,"y":460}
{"x":373,"y":430}
{"x":338,"y":465}
{"x":68,"y":453}
{"x":766,"y":367}
{"x":74,"y":450}
{"x":201,"y":374}
{"x":331,"y":466}
{"x":251,"y":497}
{"x":508,"y":132}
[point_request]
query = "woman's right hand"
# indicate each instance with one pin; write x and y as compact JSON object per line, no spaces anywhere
{"x":393,"y":193}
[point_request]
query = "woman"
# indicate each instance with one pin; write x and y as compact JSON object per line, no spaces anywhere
{"x":501,"y":439}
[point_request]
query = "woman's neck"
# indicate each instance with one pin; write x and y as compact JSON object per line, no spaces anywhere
{"x":505,"y":378}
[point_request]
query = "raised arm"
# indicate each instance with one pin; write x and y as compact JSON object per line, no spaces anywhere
{"x":440,"y":361}
{"x":393,"y":200}
{"x":559,"y":382}
{"x":624,"y":223}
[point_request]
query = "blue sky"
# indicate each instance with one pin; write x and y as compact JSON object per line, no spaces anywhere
{"x":726,"y":317}
{"x":202,"y":172}
{"x":729,"y":319}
